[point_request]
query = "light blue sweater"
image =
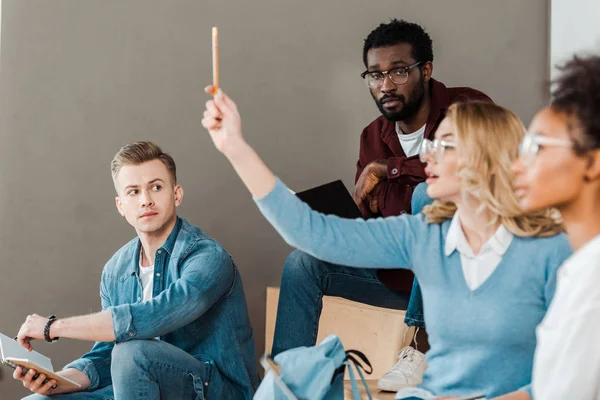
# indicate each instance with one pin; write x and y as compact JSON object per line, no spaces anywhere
{"x":481,"y":340}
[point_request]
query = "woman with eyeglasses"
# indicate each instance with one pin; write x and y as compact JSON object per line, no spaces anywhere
{"x":559,"y":166}
{"x":487,"y":271}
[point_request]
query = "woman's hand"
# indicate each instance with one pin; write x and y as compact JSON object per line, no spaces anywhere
{"x":223,"y":122}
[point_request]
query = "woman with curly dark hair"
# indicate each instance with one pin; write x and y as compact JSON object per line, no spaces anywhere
{"x":559,"y":166}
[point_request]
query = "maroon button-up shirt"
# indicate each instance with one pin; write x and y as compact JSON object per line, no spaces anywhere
{"x":379,"y":140}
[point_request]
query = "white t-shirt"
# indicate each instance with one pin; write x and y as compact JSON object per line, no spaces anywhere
{"x":477,"y":268}
{"x":567,"y":357}
{"x":411,"y":142}
{"x":147,"y":278}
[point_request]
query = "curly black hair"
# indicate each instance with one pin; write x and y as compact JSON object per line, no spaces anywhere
{"x":400,"y":31}
{"x":576,"y":92}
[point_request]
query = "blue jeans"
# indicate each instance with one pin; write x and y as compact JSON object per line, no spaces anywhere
{"x":152,"y":369}
{"x":414,"y":312}
{"x":306,"y":280}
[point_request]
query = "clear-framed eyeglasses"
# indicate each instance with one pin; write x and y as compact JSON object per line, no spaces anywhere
{"x":434,"y":149}
{"x":532,"y":142}
{"x":399,"y":76}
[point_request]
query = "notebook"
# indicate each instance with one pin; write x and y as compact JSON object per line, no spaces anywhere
{"x":331,"y":199}
{"x":12,"y":354}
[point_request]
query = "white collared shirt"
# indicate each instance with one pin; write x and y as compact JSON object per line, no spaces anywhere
{"x":477,"y":268}
{"x":567,"y":357}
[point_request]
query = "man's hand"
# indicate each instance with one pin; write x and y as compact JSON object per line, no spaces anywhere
{"x":32,"y":328}
{"x":370,"y":177}
{"x":45,"y":389}
{"x":35,"y":385}
{"x":373,"y":199}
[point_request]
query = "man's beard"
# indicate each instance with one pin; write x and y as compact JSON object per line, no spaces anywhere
{"x":409,"y":108}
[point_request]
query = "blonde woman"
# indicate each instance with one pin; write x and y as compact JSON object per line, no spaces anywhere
{"x":487,"y":272}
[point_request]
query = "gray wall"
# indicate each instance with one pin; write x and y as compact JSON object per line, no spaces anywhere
{"x":573,"y":29}
{"x":79,"y":79}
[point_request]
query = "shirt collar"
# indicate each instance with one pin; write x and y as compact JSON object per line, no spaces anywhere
{"x":456,"y":240}
{"x":170,"y":242}
{"x":140,"y":261}
{"x":453,"y":235}
{"x":167,"y":246}
{"x":418,"y":132}
{"x":581,"y":259}
{"x":501,"y":240}
{"x":440,"y":101}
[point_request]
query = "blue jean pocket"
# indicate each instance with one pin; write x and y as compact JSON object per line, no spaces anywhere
{"x":203,"y":378}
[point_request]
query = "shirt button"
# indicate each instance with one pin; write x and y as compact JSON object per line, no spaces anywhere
{"x":205,"y":383}
{"x":159,"y":251}
{"x":131,"y":334}
{"x":157,"y":274}
{"x":139,"y":298}
{"x":394,"y":171}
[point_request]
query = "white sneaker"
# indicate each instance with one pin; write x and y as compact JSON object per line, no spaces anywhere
{"x":407,"y":372}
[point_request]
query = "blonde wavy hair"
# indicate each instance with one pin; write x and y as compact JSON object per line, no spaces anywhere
{"x":487,"y":138}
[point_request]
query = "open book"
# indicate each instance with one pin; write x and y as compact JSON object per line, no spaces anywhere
{"x":12,"y":354}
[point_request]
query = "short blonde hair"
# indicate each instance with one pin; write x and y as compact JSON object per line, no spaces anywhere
{"x":488,"y":138}
{"x":140,"y":152}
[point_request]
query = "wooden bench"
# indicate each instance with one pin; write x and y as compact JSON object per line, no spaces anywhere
{"x":377,"y":395}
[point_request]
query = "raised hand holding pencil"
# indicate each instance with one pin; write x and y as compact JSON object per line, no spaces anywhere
{"x":223,"y":122}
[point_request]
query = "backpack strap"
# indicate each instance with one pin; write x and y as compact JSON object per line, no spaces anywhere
{"x":350,"y":356}
{"x":352,"y":361}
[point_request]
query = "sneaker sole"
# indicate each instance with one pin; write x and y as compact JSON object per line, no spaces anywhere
{"x":391,"y":387}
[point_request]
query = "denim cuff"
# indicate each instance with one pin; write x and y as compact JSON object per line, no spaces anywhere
{"x":122,"y":320}
{"x":87,"y":367}
{"x":414,"y":320}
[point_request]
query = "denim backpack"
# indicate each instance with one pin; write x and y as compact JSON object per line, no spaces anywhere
{"x":315,"y":373}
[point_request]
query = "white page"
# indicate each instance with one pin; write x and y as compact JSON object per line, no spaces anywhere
{"x":9,"y":348}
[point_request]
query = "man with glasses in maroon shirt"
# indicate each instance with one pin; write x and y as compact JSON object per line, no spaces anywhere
{"x":399,"y":61}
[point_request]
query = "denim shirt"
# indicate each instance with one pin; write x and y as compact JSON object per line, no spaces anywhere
{"x":198,"y":305}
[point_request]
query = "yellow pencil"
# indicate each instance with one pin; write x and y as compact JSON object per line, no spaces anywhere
{"x":215,"y":56}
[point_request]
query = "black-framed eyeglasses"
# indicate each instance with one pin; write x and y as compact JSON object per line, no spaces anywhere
{"x":398,"y":76}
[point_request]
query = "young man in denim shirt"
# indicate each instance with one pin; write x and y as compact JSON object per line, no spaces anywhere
{"x":174,"y":322}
